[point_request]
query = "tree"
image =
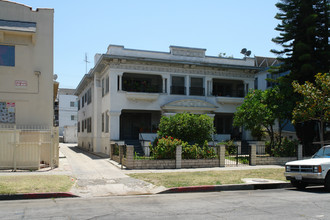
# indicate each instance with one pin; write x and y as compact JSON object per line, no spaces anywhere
{"x":304,"y":36}
{"x":261,"y":110}
{"x":316,"y":102}
{"x":187,"y":127}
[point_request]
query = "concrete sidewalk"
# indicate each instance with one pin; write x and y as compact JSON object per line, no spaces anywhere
{"x":98,"y":176}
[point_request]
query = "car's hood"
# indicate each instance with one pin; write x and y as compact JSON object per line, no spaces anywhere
{"x":312,"y":161}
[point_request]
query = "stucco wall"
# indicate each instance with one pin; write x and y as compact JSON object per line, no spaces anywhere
{"x":33,"y":102}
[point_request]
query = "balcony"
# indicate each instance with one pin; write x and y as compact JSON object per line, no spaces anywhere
{"x":178,"y":90}
{"x":141,"y":83}
{"x":198,"y":91}
{"x":228,"y":93}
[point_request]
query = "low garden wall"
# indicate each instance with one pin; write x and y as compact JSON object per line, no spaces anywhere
{"x":265,"y":160}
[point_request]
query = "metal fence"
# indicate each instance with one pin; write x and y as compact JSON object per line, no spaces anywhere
{"x":28,"y":147}
{"x":237,"y":155}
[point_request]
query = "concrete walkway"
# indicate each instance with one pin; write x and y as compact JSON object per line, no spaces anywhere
{"x":98,"y":176}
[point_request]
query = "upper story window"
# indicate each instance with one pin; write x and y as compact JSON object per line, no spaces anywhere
{"x":134,"y":82}
{"x":228,"y":88}
{"x":82,"y":101}
{"x":196,"y":86}
{"x":178,"y":85}
{"x":105,"y":85}
{"x":72,"y":104}
{"x":78,"y":104}
{"x":89,"y":96}
{"x":7,"y":55}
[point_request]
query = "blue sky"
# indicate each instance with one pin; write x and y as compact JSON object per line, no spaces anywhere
{"x":216,"y":25}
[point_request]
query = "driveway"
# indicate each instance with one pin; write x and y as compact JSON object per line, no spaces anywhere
{"x":96,"y":176}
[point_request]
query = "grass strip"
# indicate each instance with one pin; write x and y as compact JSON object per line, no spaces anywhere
{"x":179,"y":179}
{"x":35,"y":184}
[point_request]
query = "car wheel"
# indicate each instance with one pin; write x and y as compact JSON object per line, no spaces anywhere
{"x":299,"y":185}
{"x":327,"y":182}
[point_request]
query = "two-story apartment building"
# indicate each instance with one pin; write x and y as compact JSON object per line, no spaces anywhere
{"x":128,"y":91}
{"x":68,"y":109}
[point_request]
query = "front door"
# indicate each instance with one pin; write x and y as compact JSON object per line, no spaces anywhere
{"x":131,"y":124}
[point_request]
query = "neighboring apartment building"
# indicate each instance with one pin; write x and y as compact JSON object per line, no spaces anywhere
{"x":67,"y":109}
{"x":27,"y":88}
{"x":262,"y":83}
{"x":128,"y":91}
{"x":26,"y":65}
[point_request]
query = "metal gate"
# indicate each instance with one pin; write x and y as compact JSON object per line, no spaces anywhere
{"x":237,"y":155}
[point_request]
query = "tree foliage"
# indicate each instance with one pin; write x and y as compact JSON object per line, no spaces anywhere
{"x":316,"y":101}
{"x":187,"y":127}
{"x":304,"y":34}
{"x":261,"y":109}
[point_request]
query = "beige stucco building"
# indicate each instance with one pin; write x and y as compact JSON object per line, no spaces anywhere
{"x":26,"y":65}
{"x":28,"y":139}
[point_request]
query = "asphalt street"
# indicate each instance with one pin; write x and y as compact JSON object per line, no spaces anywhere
{"x":258,"y":204}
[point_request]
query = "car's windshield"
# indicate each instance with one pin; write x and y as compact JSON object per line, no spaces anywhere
{"x":324,"y":152}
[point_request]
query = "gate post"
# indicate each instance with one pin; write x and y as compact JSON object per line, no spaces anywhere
{"x":300,"y":152}
{"x":253,"y":155}
{"x":130,"y":157}
{"x":111,"y":150}
{"x":121,"y":154}
{"x":222,"y":152}
{"x":178,"y":156}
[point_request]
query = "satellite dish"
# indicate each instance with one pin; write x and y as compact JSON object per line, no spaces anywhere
{"x":243,"y":51}
{"x":248,"y":53}
{"x":55,"y":76}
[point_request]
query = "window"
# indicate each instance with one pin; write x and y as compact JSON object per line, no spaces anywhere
{"x":89,"y":125}
{"x":82,"y":101}
{"x":78,"y":127}
{"x":82,"y":125}
{"x":72,"y":117}
{"x":78,"y":104}
{"x":178,"y":86}
{"x":7,"y":55}
{"x":102,"y":87}
{"x":107,"y":85}
{"x":71,"y":104}
{"x":106,"y":123}
{"x":256,"y":83}
{"x":89,"y":96}
{"x":196,"y":86}
{"x":102,"y":122}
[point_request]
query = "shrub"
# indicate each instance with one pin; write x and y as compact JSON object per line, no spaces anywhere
{"x":287,"y":149}
{"x":231,"y":148}
{"x":187,"y":127}
{"x":197,"y":152}
{"x":165,"y":148}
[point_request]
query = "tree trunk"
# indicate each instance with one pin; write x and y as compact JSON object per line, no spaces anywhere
{"x":321,"y":133}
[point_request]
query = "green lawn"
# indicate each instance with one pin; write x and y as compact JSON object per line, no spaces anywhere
{"x":177,"y":179}
{"x":35,"y":184}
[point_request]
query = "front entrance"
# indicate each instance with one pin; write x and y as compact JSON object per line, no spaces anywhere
{"x":134,"y":122}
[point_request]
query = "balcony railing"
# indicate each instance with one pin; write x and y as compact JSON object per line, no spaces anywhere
{"x":135,"y":87}
{"x":178,"y":90}
{"x":199,"y":91}
{"x":231,"y":93}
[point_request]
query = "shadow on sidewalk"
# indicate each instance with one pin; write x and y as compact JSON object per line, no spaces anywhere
{"x":92,"y":155}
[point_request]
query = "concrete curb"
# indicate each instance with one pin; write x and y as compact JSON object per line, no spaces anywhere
{"x":233,"y":187}
{"x":37,"y":196}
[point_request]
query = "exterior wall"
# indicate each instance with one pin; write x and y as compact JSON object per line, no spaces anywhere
{"x":65,"y":97}
{"x":33,"y":65}
{"x":70,"y":134}
{"x":117,"y":100}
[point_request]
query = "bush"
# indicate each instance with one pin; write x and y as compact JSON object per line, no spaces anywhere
{"x":231,"y":148}
{"x":287,"y":149}
{"x":165,"y":148}
{"x":197,"y":152}
{"x":187,"y":127}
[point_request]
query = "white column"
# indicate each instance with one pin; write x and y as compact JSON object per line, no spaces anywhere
{"x":164,"y":85}
{"x":120,"y":82}
{"x":115,"y":125}
{"x":187,"y":85}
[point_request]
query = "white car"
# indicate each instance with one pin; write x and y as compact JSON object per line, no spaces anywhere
{"x":313,"y":171}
